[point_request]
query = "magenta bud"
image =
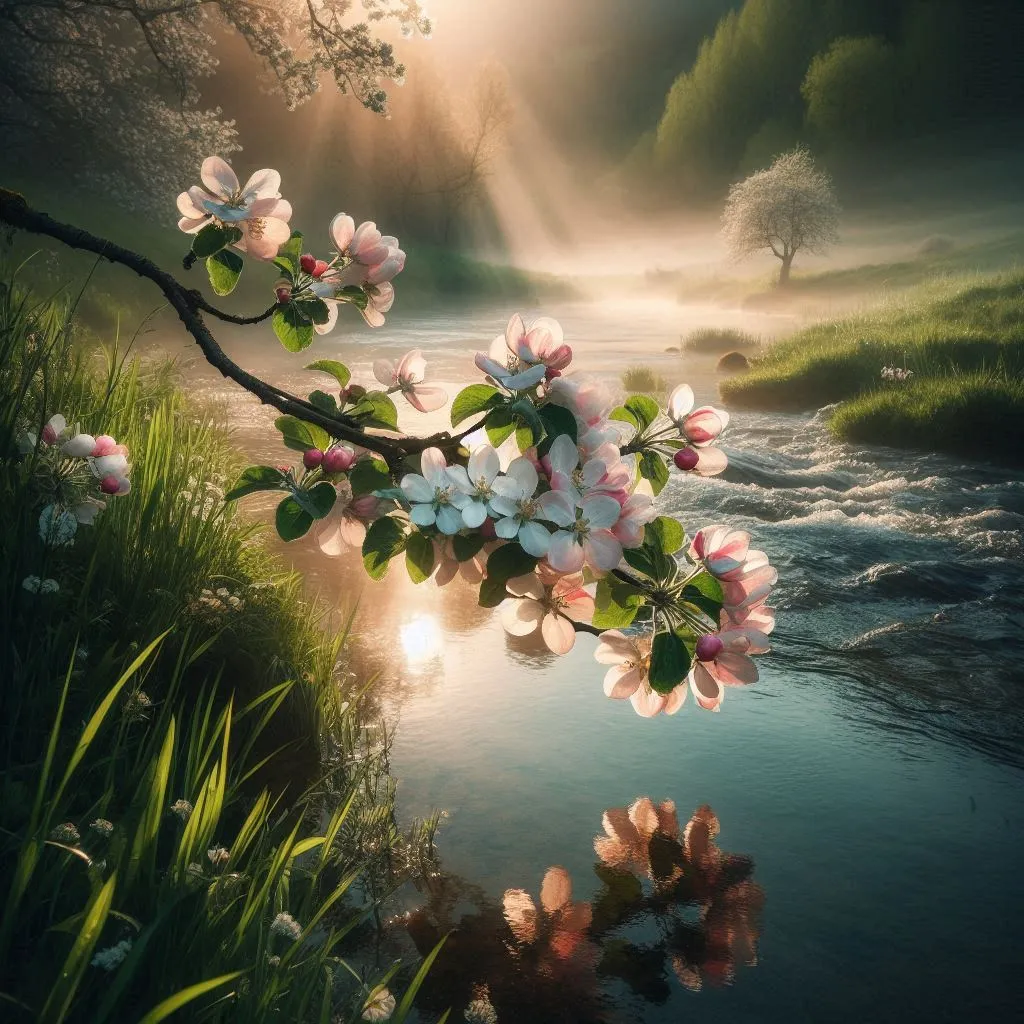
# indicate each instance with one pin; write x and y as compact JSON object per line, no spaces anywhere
{"x":487,"y":529}
{"x":308,"y":262}
{"x":110,"y":484}
{"x":49,"y":435}
{"x":339,"y":460}
{"x":686,"y":458}
{"x":312,"y":458}
{"x":551,"y":373}
{"x":284,"y":295}
{"x":709,"y":647}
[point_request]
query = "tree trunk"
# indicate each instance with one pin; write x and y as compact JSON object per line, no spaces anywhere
{"x":787,"y":263}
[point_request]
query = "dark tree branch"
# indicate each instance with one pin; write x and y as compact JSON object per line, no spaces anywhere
{"x":188,"y":304}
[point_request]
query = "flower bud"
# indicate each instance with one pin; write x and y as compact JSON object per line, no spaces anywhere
{"x":284,"y":295}
{"x":319,"y":269}
{"x":312,"y":458}
{"x":709,"y":647}
{"x":353,"y":393}
{"x":487,"y":529}
{"x":686,"y":458}
{"x":339,"y":460}
{"x":308,"y":262}
{"x":110,"y":484}
{"x":105,"y":445}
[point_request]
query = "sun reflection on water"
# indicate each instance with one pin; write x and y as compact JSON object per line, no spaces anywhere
{"x":421,"y":640}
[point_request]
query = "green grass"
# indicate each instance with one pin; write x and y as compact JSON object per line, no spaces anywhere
{"x":964,"y":344}
{"x":643,"y":379}
{"x":248,"y":716}
{"x":718,"y":340}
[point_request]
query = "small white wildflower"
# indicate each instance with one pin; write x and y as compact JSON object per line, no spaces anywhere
{"x":273,"y":961}
{"x":112,"y":958}
{"x":66,"y":833}
{"x":379,"y":1006}
{"x":102,"y":827}
{"x":218,"y":855}
{"x":286,"y":925}
{"x":182,"y":808}
{"x":34,"y":585}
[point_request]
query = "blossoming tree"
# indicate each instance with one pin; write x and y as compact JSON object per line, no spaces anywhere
{"x":542,"y":495}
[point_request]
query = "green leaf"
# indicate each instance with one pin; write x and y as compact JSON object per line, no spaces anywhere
{"x":467,"y":547}
{"x":256,"y":478}
{"x":666,"y":534}
{"x":384,"y":540}
{"x":500,"y":426}
{"x":355,"y":295}
{"x":524,"y":438}
{"x":224,"y":268}
{"x":375,"y":409}
{"x":492,"y":592}
{"x":339,"y":371}
{"x":670,"y":661}
{"x":211,"y":239}
{"x":616,"y":603}
{"x":475,"y":399}
{"x":653,"y":468}
{"x":292,"y":520}
{"x":621,"y":413}
{"x":419,"y":557}
{"x":319,"y":500}
{"x":289,"y":254}
{"x":312,"y":308}
{"x":369,"y":475}
{"x":526,"y":412}
{"x":508,"y":561}
{"x":705,"y":593}
{"x":300,"y":436}
{"x":172,"y":1004}
{"x":651,"y":562}
{"x":293,"y":330}
{"x":557,"y":421}
{"x":324,"y":401}
{"x":645,"y":409}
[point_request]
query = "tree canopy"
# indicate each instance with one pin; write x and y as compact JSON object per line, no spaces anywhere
{"x":112,"y":89}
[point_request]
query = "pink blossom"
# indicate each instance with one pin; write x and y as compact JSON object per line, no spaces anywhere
{"x":345,"y":526}
{"x":637,"y":511}
{"x":630,"y":661}
{"x":707,"y":461}
{"x":407,"y":376}
{"x":588,"y":539}
{"x":699,"y":427}
{"x":541,"y":342}
{"x":256,"y":209}
{"x":53,"y":429}
{"x":447,"y":566}
{"x":722,"y":550}
{"x":551,"y":610}
{"x":723,"y":660}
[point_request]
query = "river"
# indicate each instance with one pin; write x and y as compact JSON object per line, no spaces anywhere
{"x":867,"y":789}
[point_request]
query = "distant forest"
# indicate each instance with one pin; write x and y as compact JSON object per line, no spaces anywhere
{"x":847,"y":77}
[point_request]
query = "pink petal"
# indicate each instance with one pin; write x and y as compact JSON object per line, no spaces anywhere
{"x":385,"y":372}
{"x":556,"y":889}
{"x":706,"y":688}
{"x":621,"y":681}
{"x":218,"y":177}
{"x":426,"y":397}
{"x":647,"y":703}
{"x":521,"y":915}
{"x":343,"y":227}
{"x":558,"y":633}
{"x":735,"y":669}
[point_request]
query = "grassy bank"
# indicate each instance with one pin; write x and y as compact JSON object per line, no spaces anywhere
{"x":965,"y":349}
{"x":195,"y":814}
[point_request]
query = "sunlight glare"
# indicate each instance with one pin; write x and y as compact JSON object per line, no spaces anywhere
{"x":421,"y":640}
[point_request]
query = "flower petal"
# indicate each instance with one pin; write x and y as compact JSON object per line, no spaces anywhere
{"x":218,"y":177}
{"x":558,"y":633}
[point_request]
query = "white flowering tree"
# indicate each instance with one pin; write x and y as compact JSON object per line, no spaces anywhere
{"x":129,"y":72}
{"x":788,"y":208}
{"x":542,"y":495}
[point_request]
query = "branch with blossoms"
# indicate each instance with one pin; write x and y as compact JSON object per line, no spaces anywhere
{"x":542,"y":495}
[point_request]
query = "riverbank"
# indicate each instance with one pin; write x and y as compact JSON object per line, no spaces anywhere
{"x":964,"y":348}
{"x":197,"y":809}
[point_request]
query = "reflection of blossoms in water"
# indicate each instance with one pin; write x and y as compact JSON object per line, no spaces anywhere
{"x":560,"y":923}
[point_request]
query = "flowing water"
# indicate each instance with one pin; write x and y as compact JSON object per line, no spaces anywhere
{"x":868,"y":788}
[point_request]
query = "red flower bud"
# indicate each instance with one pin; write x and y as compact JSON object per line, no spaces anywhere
{"x":487,"y":529}
{"x":308,"y":262}
{"x":110,"y":484}
{"x":319,"y":269}
{"x":339,"y":460}
{"x":312,"y":458}
{"x":686,"y":458}
{"x":284,"y":295}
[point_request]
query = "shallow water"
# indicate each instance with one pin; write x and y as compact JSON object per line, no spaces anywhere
{"x":869,"y":784}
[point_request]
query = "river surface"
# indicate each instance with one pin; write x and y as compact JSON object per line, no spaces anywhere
{"x":867,"y":791}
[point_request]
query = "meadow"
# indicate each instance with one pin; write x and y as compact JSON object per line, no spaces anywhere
{"x":197,"y":813}
{"x":960,"y":338}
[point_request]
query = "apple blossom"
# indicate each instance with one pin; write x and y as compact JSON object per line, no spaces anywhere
{"x":722,"y":550}
{"x":54,"y":428}
{"x":636,"y":512}
{"x":553,"y":609}
{"x":476,"y":481}
{"x":434,"y":498}
{"x":509,"y":375}
{"x":523,"y":511}
{"x":312,"y":457}
{"x":630,"y":661}
{"x":256,"y":209}
{"x":707,"y":461}
{"x":344,"y":527}
{"x":541,"y":342}
{"x":722,"y":660}
{"x":699,"y":427}
{"x":588,"y":539}
{"x":447,"y":566}
{"x":338,"y":459}
{"x":407,"y":376}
